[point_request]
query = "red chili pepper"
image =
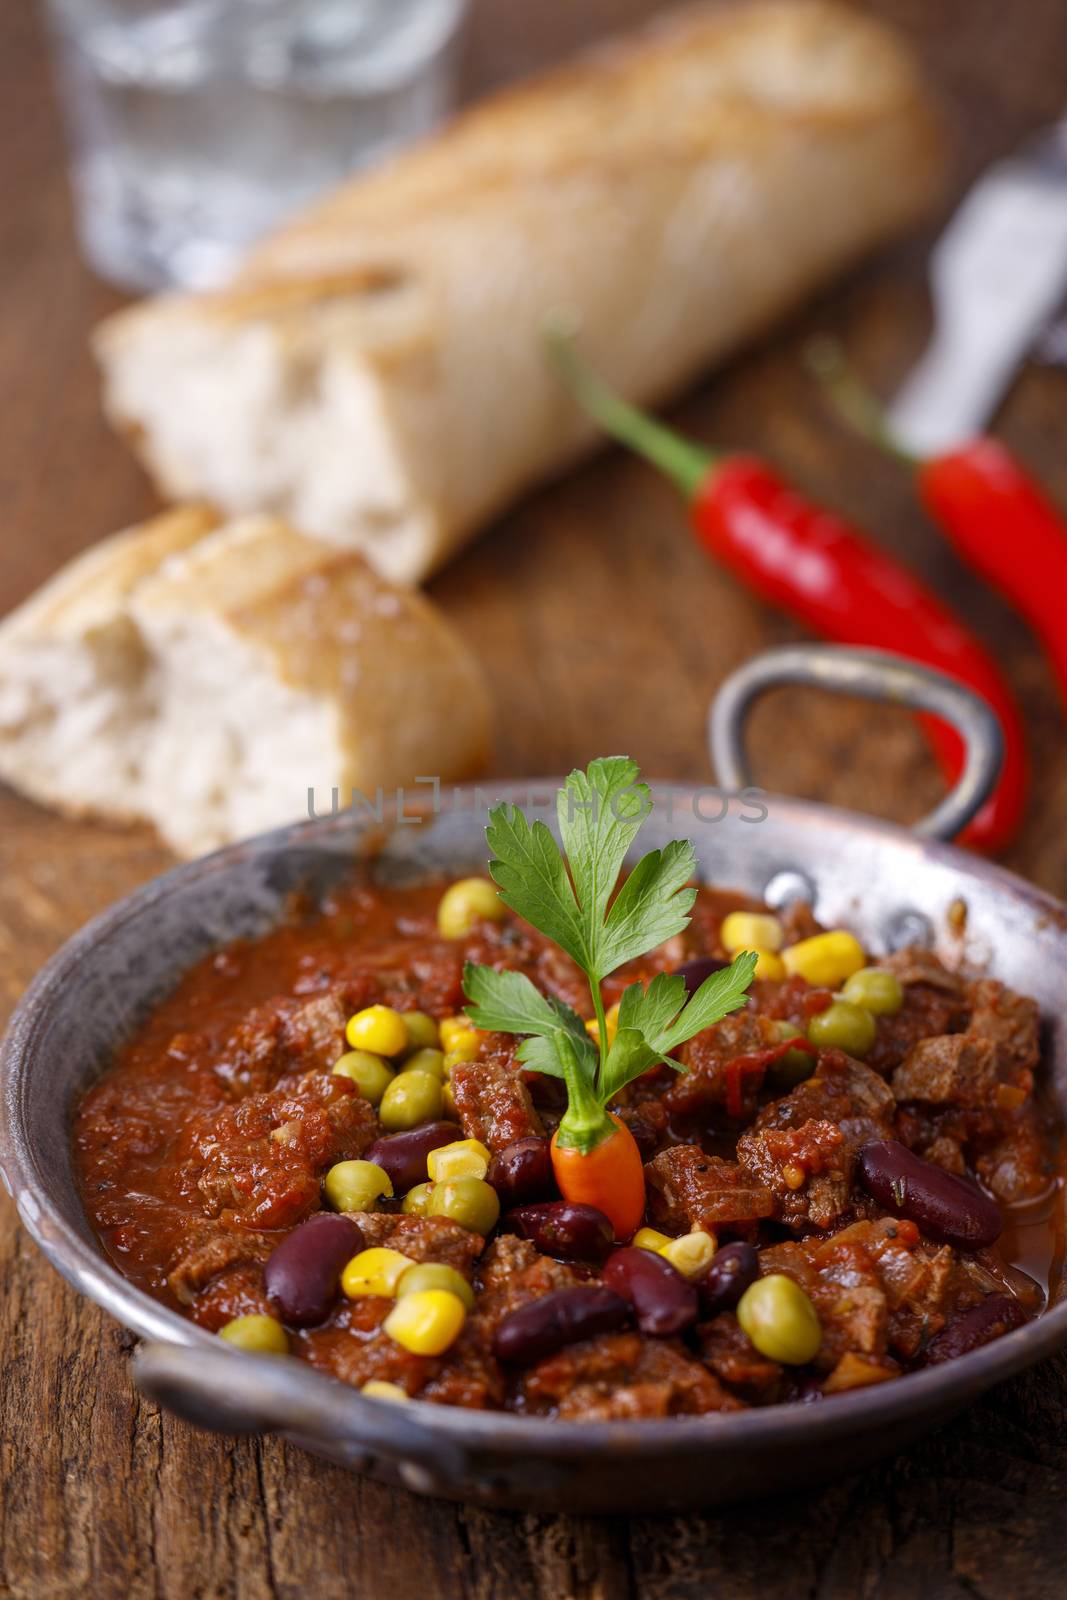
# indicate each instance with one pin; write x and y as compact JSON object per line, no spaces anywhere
{"x":996,"y":517}
{"x":818,"y":568}
{"x":1005,"y":528}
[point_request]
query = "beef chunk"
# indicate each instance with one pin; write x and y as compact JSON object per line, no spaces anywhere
{"x":917,"y":965}
{"x":513,"y":1273}
{"x":732,"y":1357}
{"x":705,"y":1089}
{"x":1016,"y":1166}
{"x":647,"y":1121}
{"x":934,"y":1003}
{"x":314,"y":1035}
{"x":212,"y":1252}
{"x":623,"y":1375}
{"x":880,"y":1291}
{"x":946,"y":1152}
{"x":252,"y":1059}
{"x":688,"y":1189}
{"x":492,"y":1098}
{"x":1008,"y":1020}
{"x":841,"y":1090}
{"x":237,"y":1291}
{"x":807,"y":1169}
{"x":281,"y":1038}
{"x":257,"y":1164}
{"x":423,"y":1238}
{"x":798,"y":921}
{"x":953,"y":1070}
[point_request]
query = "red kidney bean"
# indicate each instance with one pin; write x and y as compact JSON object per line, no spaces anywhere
{"x":544,"y":1326}
{"x":564,"y":1229}
{"x":996,"y":1314}
{"x":403,"y":1155}
{"x":523,"y":1172}
{"x":728,"y":1275}
{"x":664,"y":1302}
{"x":695,"y":972}
{"x":945,"y":1207}
{"x":302,"y":1275}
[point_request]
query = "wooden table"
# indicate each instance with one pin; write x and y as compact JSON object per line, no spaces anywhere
{"x":103,"y":1496}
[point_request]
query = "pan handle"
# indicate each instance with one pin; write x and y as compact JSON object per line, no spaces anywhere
{"x":227,"y":1391}
{"x":872,"y":675}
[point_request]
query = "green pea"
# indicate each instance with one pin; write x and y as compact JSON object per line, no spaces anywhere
{"x":471,"y":1202}
{"x":259,"y":1335}
{"x":876,"y":989}
{"x":428,"y":1060}
{"x":795,"y":1065}
{"x":780,"y":1320}
{"x":843,"y":1026}
{"x":356,"y":1186}
{"x":370,"y":1074}
{"x":435,"y":1275}
{"x":417,"y":1200}
{"x":411,"y":1098}
{"x":423,"y":1032}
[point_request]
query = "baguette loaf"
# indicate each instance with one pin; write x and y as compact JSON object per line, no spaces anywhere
{"x":376,"y":372}
{"x":203,"y":678}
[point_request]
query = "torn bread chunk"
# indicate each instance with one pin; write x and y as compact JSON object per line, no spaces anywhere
{"x":76,"y":685}
{"x":204,"y":678}
{"x":376,"y":372}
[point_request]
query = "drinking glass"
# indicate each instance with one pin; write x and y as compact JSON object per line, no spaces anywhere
{"x":194,"y":125}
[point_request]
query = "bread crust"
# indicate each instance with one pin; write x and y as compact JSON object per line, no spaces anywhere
{"x":678,"y":191}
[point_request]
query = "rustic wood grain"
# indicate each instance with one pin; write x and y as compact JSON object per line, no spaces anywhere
{"x":101,"y":1495}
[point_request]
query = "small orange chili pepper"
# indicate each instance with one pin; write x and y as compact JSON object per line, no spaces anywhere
{"x":609,"y":1176}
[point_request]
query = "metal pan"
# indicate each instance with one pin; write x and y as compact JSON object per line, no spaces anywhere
{"x":892,"y":886}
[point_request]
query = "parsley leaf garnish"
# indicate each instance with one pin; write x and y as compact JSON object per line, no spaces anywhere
{"x":573,"y":896}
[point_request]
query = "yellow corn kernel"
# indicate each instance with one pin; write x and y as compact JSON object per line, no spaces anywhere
{"x":466,"y":1050}
{"x":611,"y":1017}
{"x":691,"y":1253}
{"x":793,"y":1176}
{"x":751,"y":930}
{"x":464,"y":1158}
{"x":374,"y":1272}
{"x":768,"y":965}
{"x":379,"y":1029}
{"x":650,"y":1239}
{"x":448,"y":1102}
{"x":457,"y":1033}
{"x":826,"y":959}
{"x":382,"y":1389}
{"x":427,"y":1322}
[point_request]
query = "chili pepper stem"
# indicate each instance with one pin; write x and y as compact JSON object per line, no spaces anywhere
{"x":854,"y":402}
{"x":585,"y":1123}
{"x":686,"y":464}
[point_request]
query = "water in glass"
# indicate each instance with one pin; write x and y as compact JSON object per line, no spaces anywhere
{"x":196,"y":124}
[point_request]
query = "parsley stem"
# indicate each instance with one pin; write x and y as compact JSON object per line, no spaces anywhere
{"x":601,"y":1026}
{"x":685,"y":463}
